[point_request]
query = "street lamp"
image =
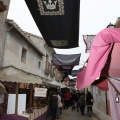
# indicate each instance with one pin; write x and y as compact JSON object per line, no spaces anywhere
{"x":111,"y":25}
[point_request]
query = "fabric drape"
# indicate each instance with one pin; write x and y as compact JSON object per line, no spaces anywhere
{"x":57,"y":20}
{"x":100,"y":49}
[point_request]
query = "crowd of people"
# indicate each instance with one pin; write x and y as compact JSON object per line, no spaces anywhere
{"x":76,"y":99}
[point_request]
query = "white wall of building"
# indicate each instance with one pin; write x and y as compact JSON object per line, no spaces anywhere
{"x":15,"y":42}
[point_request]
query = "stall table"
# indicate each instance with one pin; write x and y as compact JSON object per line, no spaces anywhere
{"x":38,"y":114}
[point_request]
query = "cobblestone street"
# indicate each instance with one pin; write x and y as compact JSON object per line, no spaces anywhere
{"x":68,"y":114}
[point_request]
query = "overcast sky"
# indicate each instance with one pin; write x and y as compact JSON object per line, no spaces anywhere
{"x":95,"y":15}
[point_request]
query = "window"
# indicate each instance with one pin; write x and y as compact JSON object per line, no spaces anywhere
{"x":23,"y":56}
{"x":39,"y":64}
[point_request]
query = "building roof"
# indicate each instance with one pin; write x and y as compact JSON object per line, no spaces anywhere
{"x":11,"y":22}
{"x":45,"y":44}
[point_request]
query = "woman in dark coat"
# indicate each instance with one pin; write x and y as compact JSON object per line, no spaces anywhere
{"x":82,"y":103}
{"x":54,"y":105}
{"x":89,"y":102}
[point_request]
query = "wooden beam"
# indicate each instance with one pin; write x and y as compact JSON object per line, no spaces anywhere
{"x":16,"y":103}
{"x":31,"y":95}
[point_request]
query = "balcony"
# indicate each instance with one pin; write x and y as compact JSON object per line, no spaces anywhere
{"x":52,"y":74}
{"x":47,"y":68}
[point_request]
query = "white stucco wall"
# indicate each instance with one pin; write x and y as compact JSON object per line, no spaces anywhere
{"x":14,"y":44}
{"x":3,"y":29}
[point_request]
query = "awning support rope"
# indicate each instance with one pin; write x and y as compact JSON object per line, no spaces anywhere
{"x":118,"y":92}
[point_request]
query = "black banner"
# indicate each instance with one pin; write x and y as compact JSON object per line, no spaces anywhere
{"x":57,"y":20}
{"x":66,"y":60}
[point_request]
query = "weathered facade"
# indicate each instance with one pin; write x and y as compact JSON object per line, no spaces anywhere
{"x":26,"y":52}
{"x":3,"y":30}
{"x":22,"y":51}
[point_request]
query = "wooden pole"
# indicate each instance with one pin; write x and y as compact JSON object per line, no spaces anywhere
{"x":31,"y":95}
{"x":16,"y":103}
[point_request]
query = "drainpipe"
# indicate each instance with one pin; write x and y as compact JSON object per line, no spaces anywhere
{"x":5,"y":46}
{"x":106,"y":102}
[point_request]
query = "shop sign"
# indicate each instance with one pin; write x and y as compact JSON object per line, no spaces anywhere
{"x":40,"y":92}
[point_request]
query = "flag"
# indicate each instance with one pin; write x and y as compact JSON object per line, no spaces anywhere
{"x":57,"y":20}
{"x":66,"y":60}
{"x":88,"y":41}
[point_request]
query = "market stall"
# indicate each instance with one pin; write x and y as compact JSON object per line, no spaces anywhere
{"x":37,"y":109}
{"x":20,"y":92}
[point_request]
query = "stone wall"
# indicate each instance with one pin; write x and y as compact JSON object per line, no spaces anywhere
{"x":3,"y":29}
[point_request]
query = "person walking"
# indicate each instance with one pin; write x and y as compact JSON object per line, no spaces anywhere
{"x":82,"y":103}
{"x":77,"y":101}
{"x":61,"y":95}
{"x":67,"y":99}
{"x":89,"y":102}
{"x":54,"y":105}
{"x":59,"y":105}
{"x":73,"y":101}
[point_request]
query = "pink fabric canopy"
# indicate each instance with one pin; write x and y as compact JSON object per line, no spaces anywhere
{"x":112,"y":66}
{"x":102,"y":83}
{"x":99,"y":52}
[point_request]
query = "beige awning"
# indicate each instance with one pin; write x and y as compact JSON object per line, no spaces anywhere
{"x":56,"y":84}
{"x":21,"y":77}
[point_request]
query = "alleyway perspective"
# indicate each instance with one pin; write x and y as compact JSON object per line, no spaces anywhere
{"x":68,"y":114}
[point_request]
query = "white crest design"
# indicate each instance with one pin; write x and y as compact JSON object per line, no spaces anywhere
{"x":55,"y":7}
{"x":50,"y":5}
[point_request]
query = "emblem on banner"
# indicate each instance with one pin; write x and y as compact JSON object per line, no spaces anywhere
{"x":58,"y":43}
{"x":51,"y":7}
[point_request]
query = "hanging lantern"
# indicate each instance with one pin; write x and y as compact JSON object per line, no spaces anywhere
{"x":2,"y":7}
{"x":117,"y":98}
{"x":111,"y":25}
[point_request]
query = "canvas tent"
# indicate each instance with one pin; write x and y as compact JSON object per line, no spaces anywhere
{"x":54,"y":84}
{"x":65,"y":63}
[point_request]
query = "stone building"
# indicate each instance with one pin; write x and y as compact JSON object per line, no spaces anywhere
{"x":22,"y":51}
{"x":24,"y":58}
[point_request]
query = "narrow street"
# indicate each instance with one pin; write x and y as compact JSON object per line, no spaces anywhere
{"x":68,"y":114}
{"x":62,"y":53}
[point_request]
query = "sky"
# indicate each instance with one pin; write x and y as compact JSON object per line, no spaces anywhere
{"x":95,"y":15}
